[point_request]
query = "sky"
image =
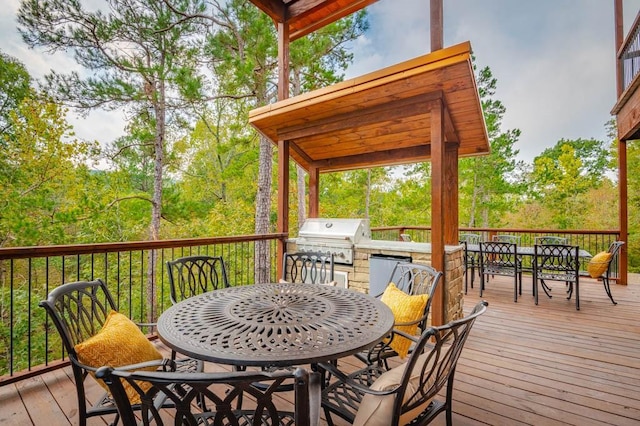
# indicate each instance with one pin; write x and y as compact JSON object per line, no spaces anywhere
{"x":554,"y":60}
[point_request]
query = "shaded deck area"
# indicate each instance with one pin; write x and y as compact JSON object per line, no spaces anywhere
{"x":523,"y":364}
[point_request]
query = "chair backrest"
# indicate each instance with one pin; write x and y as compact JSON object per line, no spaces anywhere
{"x":557,"y":262}
{"x":550,"y":239}
{"x":220,"y":392}
{"x":498,"y":257}
{"x":432,"y":364}
{"x":193,"y":275}
{"x":470,"y":238}
{"x":79,"y":310}
{"x":614,"y":248}
{"x":308,"y":267}
{"x":413,"y":279}
{"x":514,"y":239}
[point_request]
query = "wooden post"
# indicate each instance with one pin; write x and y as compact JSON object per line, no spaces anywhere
{"x":314,"y":196}
{"x":437,"y":27}
{"x":451,"y":218}
{"x":283,"y":146}
{"x":438,"y":207}
{"x":623,"y":215}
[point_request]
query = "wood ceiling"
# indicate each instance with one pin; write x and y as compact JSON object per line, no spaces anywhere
{"x":306,"y":16}
{"x":382,"y":118}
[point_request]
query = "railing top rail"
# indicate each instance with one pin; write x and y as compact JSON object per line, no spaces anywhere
{"x":74,"y":249}
{"x":519,"y":230}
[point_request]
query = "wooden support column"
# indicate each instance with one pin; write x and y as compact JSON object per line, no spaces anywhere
{"x":438,"y":207}
{"x":437,"y":27}
{"x":283,"y":146}
{"x":451,"y":217}
{"x":314,"y":193}
{"x":623,"y":214}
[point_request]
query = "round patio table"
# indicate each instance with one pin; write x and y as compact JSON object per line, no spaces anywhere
{"x":275,"y":325}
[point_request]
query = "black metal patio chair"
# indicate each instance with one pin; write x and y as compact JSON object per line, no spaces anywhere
{"x":471,"y":259}
{"x":85,"y":315}
{"x":500,"y":258}
{"x":550,"y":239}
{"x":412,"y":279}
{"x":406,"y":394}
{"x":555,"y":262}
{"x":601,"y":269}
{"x":193,"y":275}
{"x":308,"y":267}
{"x":221,"y":391}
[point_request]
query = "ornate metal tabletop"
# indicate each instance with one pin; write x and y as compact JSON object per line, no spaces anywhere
{"x":275,"y":324}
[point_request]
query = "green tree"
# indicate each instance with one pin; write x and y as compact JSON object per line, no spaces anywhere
{"x":15,"y":85}
{"x":43,"y":168}
{"x":141,"y":56}
{"x":490,"y":185}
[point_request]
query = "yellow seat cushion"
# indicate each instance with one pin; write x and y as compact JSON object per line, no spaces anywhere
{"x":599,"y":264}
{"x":406,"y":309}
{"x":120,"y":342}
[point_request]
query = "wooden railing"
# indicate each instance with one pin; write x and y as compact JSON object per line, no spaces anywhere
{"x":629,"y":55}
{"x":591,"y":241}
{"x":29,"y":343}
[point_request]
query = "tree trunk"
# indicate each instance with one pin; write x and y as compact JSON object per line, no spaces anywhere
{"x":263,"y":209}
{"x":156,"y":210}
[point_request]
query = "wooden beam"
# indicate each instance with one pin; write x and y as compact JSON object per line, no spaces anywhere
{"x":299,"y":9}
{"x":314,"y":192}
{"x":451,"y":207}
{"x":283,"y":61}
{"x":619,"y":39}
{"x":282,"y":224}
{"x":436,"y":27}
{"x":388,"y":157}
{"x":394,"y":110}
{"x":274,"y":8}
{"x":438,"y":177}
{"x":623,"y":213}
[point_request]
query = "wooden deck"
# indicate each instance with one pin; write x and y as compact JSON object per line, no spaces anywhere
{"x":523,"y":364}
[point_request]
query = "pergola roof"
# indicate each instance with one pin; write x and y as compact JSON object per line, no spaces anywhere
{"x":382,"y":118}
{"x":306,"y":16}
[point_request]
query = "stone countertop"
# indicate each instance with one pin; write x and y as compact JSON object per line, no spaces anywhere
{"x":402,"y":246}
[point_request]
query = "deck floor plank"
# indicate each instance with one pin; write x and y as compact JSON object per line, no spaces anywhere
{"x":523,"y":365}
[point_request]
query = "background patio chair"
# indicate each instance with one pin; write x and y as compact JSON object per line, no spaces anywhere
{"x":308,"y":267}
{"x":193,"y":275}
{"x":601,"y":269}
{"x":413,"y":279}
{"x":407,"y":393}
{"x":550,"y":239}
{"x":505,"y":238}
{"x":80,"y":311}
{"x":221,"y":392}
{"x":500,"y":258}
{"x":471,"y":259}
{"x":555,"y":262}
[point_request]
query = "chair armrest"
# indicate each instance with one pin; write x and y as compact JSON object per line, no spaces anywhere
{"x":341,"y":376}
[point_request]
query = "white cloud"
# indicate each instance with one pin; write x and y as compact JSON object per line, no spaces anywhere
{"x":553,"y":59}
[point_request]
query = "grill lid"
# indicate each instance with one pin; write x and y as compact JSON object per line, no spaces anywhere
{"x":352,"y":230}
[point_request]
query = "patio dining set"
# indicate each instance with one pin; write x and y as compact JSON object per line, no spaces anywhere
{"x":287,"y":336}
{"x":551,"y":258}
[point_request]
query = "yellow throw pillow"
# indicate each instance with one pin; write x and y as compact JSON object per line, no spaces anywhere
{"x":119,"y":342}
{"x":598,"y":264}
{"x":405,"y":309}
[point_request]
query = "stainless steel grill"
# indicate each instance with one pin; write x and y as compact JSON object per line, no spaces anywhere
{"x":331,"y":235}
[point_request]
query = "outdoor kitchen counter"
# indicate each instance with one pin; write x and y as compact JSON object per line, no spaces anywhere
{"x":402,"y":246}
